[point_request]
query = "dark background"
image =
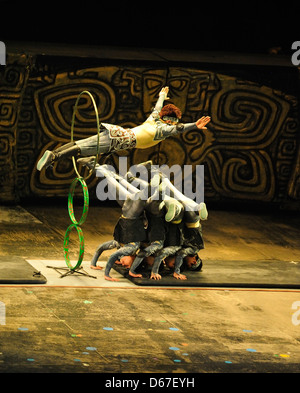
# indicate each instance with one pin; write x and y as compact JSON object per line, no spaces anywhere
{"x":235,"y":26}
{"x":75,"y":28}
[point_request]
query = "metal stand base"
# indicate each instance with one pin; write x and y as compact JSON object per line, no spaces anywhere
{"x":70,"y":271}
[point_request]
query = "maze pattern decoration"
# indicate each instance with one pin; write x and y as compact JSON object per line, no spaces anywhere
{"x":249,"y":150}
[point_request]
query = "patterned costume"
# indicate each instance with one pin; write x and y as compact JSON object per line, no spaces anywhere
{"x":114,"y":138}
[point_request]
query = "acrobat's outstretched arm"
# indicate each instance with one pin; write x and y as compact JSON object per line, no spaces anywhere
{"x":166,"y":130}
{"x":109,"y":245}
{"x":165,"y":252}
{"x":128,"y":249}
{"x":163,"y":95}
{"x":201,"y":123}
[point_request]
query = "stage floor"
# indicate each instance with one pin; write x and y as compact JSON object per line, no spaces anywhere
{"x":73,"y":324}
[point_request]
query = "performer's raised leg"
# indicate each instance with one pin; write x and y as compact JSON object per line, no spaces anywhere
{"x":83,"y":147}
{"x":188,"y":203}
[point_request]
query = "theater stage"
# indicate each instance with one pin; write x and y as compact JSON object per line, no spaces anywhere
{"x":86,"y":324}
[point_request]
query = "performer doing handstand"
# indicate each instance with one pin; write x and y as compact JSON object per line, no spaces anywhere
{"x":129,"y":231}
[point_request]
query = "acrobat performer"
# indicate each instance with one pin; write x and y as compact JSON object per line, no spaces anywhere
{"x":162,"y":123}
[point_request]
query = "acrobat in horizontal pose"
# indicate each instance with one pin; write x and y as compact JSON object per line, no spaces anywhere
{"x":162,"y":123}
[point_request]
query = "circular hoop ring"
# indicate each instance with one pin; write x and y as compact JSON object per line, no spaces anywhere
{"x":98,"y":131}
{"x":85,"y":201}
{"x":66,"y":246}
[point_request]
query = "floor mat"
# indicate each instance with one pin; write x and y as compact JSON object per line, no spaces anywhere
{"x":233,"y":274}
{"x":16,"y":270}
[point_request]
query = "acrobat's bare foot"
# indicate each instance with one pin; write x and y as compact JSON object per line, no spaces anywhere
{"x":111,"y":278}
{"x":179,"y":276}
{"x":155,"y":276}
{"x":96,"y":267}
{"x":134,"y":274}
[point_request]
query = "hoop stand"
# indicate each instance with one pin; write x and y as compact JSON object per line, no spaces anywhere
{"x":71,"y":271}
{"x":77,"y":224}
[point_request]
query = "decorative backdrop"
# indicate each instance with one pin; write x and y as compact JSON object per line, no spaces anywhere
{"x":250,"y":151}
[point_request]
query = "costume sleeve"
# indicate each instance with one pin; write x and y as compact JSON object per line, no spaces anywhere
{"x":178,"y":263}
{"x":164,"y":130}
{"x":158,"y":106}
{"x":111,"y":244}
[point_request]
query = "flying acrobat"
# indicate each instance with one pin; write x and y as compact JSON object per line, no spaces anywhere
{"x":162,"y":123}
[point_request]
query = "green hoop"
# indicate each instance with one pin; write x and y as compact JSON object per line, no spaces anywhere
{"x":76,"y":224}
{"x":85,"y":201}
{"x":66,"y":246}
{"x":98,"y":131}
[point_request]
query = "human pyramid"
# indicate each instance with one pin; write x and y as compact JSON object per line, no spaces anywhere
{"x":152,"y":229}
{"x":172,"y":232}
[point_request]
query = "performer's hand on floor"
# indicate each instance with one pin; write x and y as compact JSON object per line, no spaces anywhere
{"x":179,"y":276}
{"x":155,"y":276}
{"x":96,"y":267}
{"x":108,"y":278}
{"x":134,"y":274}
{"x":201,"y":123}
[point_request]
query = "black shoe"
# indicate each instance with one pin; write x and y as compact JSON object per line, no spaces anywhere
{"x":87,"y":161}
{"x":46,"y":160}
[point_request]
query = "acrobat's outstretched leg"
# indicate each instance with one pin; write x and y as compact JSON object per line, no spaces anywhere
{"x":120,"y":192}
{"x":83,"y":147}
{"x":49,"y":157}
{"x":188,"y":203}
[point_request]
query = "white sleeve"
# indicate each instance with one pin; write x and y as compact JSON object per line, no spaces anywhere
{"x":164,"y":130}
{"x":158,"y":106}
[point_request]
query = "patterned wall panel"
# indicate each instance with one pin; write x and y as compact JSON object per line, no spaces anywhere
{"x":250,"y":145}
{"x":13,"y":79}
{"x":249,"y":150}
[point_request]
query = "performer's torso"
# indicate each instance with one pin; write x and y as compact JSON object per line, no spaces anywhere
{"x":145,"y":134}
